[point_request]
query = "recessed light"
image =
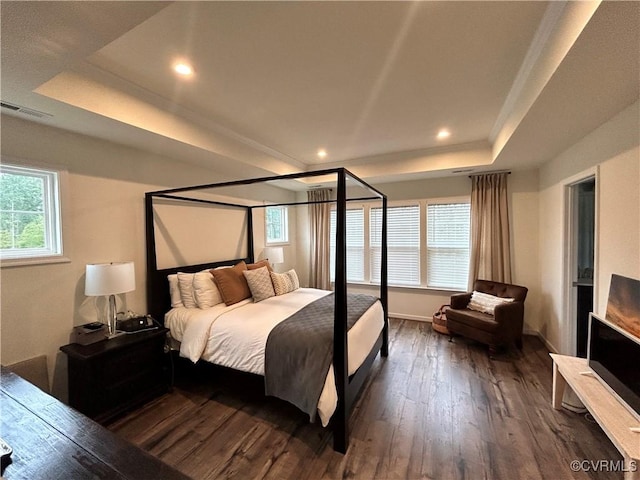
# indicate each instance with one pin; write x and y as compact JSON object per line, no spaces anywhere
{"x":184,"y":69}
{"x":322,"y":153}
{"x":444,"y":133}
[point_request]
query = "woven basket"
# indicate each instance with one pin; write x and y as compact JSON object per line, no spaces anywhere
{"x":439,"y":321}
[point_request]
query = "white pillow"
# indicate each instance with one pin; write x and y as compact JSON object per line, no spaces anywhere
{"x":187,"y":293}
{"x":285,"y":282}
{"x":194,"y":290}
{"x":205,"y":290}
{"x":260,"y":284}
{"x":485,"y":303}
{"x":174,"y":291}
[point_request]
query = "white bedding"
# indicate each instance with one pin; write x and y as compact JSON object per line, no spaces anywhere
{"x":236,"y":336}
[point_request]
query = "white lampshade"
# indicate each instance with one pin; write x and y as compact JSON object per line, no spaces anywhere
{"x":109,"y":278}
{"x":274,"y":254}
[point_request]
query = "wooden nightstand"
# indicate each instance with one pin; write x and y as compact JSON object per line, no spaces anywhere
{"x":111,"y":376}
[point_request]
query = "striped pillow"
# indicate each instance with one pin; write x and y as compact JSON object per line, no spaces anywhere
{"x":485,"y":303}
{"x":285,"y":282}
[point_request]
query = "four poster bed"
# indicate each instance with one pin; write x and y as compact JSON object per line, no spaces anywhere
{"x":272,"y":335}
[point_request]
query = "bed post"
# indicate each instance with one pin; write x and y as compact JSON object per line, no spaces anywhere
{"x":250,"y":252}
{"x":340,"y":367}
{"x":384,"y":296}
{"x":152,"y":263}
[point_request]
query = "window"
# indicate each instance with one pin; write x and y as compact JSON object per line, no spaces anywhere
{"x":30,"y":224}
{"x":355,"y":245}
{"x":427,"y":244}
{"x":403,"y":244}
{"x":448,"y":245}
{"x":277,"y":225}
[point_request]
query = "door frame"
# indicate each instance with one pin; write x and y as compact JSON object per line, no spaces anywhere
{"x":570,"y":333}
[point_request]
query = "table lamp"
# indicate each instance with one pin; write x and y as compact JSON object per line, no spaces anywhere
{"x":274,"y":255}
{"x":110,"y":279}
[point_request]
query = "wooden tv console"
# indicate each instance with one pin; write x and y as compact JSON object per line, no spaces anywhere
{"x":613,"y":417}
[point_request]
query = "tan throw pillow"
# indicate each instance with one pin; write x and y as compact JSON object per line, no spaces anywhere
{"x":205,"y":290}
{"x":260,"y":284}
{"x":260,"y":264}
{"x":231,"y":283}
{"x":285,"y":282}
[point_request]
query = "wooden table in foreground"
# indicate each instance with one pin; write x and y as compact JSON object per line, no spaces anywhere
{"x":614,"y":419}
{"x":51,"y":440}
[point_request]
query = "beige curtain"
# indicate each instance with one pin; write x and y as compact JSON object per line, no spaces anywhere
{"x":490,"y":243}
{"x":319,"y":217}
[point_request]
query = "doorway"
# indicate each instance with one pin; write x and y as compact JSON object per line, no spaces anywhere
{"x":583,"y":212}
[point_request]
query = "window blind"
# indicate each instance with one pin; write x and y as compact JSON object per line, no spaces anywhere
{"x":355,"y":244}
{"x":448,"y":245}
{"x":403,"y":244}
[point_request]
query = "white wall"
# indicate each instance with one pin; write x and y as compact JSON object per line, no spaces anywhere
{"x":612,"y":150}
{"x":523,"y":217}
{"x":619,"y":233}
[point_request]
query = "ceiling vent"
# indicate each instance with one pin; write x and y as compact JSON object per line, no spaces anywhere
{"x":464,"y":170}
{"x":24,"y":110}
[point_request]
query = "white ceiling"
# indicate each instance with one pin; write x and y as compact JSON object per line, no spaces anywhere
{"x":516,"y":83}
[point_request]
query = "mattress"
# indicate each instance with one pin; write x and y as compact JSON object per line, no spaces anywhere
{"x":236,"y":336}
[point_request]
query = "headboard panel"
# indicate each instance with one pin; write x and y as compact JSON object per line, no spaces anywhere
{"x":158,"y":296}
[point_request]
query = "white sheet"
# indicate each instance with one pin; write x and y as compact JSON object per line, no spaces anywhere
{"x":236,"y":336}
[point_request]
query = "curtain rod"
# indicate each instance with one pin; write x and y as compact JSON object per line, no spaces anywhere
{"x":508,"y":172}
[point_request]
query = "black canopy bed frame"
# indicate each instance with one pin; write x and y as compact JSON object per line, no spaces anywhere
{"x":348,"y":387}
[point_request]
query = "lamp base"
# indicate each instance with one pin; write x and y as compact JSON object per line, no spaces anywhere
{"x":115,"y":334}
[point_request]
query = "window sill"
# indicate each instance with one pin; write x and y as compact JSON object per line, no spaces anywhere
{"x":407,"y":287}
{"x":25,"y":262}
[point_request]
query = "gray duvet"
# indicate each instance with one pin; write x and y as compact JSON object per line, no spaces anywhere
{"x":299,"y":350}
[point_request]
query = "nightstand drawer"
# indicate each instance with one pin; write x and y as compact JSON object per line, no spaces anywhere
{"x":110,"y":377}
{"x":131,"y":364}
{"x":135,"y":385}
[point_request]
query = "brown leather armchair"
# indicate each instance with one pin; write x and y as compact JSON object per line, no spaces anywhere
{"x":499,"y":329}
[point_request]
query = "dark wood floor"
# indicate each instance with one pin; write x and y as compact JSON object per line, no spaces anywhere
{"x":431,"y":410}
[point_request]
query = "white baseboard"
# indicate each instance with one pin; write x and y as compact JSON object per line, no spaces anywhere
{"x":526,"y":331}
{"x":406,"y":316}
{"x":549,"y":346}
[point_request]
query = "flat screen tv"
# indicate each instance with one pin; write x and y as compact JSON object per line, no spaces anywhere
{"x":614,"y":356}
